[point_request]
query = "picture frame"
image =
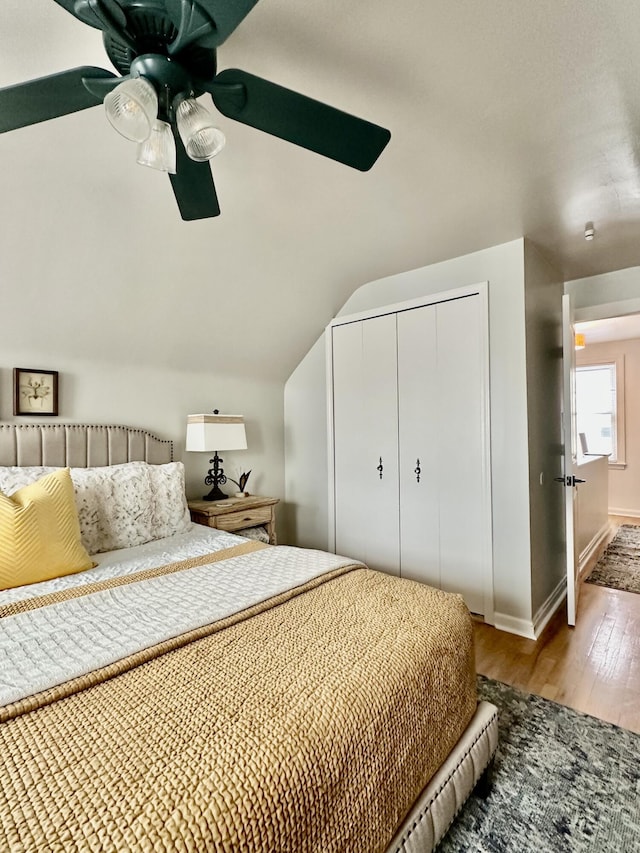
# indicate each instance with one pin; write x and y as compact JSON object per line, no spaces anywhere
{"x":35,"y":392}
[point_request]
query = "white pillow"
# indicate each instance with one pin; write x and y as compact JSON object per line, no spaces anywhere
{"x":119,"y":506}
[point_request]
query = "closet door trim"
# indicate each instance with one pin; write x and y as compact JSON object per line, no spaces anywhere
{"x":409,"y":304}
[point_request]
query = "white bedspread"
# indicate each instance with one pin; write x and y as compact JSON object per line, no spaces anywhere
{"x":197,"y":542}
{"x":50,"y":645}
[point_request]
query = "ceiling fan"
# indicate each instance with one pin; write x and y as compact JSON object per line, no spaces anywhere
{"x":165,"y":52}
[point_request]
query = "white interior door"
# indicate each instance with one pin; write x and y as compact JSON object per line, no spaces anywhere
{"x":570,"y":439}
{"x":419,"y":454}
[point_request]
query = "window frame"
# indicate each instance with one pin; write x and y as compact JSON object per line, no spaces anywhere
{"x":618,"y":362}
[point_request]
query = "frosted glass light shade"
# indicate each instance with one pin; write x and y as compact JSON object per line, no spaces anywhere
{"x":158,"y":151}
{"x":215,"y":432}
{"x":132,"y":108}
{"x":201,"y":138}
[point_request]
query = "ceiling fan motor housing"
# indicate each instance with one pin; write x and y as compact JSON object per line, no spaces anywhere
{"x":149,"y":30}
{"x":169,"y":79}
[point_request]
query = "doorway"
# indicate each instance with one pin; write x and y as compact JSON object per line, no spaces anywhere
{"x":608,"y":423}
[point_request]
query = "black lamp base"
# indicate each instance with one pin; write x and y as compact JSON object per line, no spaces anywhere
{"x":215,"y":478}
{"x":215,"y":495}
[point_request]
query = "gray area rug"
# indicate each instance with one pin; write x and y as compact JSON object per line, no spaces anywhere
{"x":619,"y":566}
{"x":563,"y":781}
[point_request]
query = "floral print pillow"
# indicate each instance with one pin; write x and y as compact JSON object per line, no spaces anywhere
{"x":169,"y":513}
{"x":13,"y":478}
{"x":114,"y":505}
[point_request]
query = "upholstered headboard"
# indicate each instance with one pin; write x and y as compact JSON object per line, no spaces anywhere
{"x":80,"y":445}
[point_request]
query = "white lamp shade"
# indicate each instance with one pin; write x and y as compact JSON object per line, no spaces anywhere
{"x":215,"y":432}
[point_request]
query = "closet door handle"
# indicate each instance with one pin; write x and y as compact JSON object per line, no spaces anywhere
{"x":417,"y":471}
{"x":380,"y":467}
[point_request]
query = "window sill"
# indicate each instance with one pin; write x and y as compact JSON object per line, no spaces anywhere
{"x":617,"y":466}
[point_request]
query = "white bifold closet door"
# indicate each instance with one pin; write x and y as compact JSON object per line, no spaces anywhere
{"x":441,"y":439}
{"x":419,"y":433}
{"x":410,"y":445}
{"x":365,"y":411}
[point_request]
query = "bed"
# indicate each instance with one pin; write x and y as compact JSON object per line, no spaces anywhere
{"x":201,"y":691}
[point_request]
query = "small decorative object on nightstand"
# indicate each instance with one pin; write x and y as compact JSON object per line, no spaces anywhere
{"x":215,"y":432}
{"x":236,"y":514}
{"x":241,"y":483}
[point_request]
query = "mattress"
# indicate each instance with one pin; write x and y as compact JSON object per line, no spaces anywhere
{"x":211,"y":693}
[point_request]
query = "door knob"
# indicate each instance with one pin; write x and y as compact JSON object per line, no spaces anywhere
{"x":569,"y":481}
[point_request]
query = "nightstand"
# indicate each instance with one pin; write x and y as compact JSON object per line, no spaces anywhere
{"x":237,"y":513}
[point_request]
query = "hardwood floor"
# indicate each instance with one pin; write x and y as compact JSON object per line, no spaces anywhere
{"x":594,"y":667}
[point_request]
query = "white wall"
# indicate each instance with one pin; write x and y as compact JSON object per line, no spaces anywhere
{"x":159,"y":400}
{"x":607,"y":295}
{"x":591,"y":510}
{"x":306,"y":420}
{"x":543,"y":298}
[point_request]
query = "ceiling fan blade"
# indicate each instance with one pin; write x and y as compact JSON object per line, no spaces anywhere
{"x":92,"y":12}
{"x":193,"y":186}
{"x":298,"y":119}
{"x":48,"y":97}
{"x":70,"y":6}
{"x":225,"y":15}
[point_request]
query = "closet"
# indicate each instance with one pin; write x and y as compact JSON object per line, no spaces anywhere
{"x":409,"y":442}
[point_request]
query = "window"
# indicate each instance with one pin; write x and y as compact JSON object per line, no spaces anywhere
{"x":599,"y":409}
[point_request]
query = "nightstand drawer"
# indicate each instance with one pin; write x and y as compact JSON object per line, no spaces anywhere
{"x":244,"y":518}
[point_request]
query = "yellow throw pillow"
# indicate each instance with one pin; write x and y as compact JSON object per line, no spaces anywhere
{"x":39,"y":532}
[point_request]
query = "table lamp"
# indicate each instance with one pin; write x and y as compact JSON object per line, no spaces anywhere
{"x":213,"y":433}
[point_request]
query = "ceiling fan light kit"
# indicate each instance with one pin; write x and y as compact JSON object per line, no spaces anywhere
{"x":165,"y":52}
{"x":200,"y":137}
{"x":158,"y":150}
{"x":132,"y":108}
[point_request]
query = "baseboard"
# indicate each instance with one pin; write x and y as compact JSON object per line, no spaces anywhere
{"x":592,"y":548}
{"x":531,"y":629}
{"x":553,"y":602}
{"x":521,"y":627}
{"x":631,"y":513}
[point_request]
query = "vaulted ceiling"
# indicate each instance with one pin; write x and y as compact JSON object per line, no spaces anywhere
{"x":507,"y":119}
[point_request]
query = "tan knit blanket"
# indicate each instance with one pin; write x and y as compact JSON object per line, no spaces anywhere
{"x":310,"y":725}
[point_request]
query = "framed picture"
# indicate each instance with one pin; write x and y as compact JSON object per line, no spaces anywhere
{"x":35,"y":392}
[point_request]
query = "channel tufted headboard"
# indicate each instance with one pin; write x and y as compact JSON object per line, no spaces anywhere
{"x":80,"y":445}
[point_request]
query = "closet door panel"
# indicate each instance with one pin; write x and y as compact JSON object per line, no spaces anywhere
{"x":379,"y":440}
{"x":460,"y":449}
{"x":365,"y":420}
{"x":348,"y":423}
{"x":418,"y":442}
